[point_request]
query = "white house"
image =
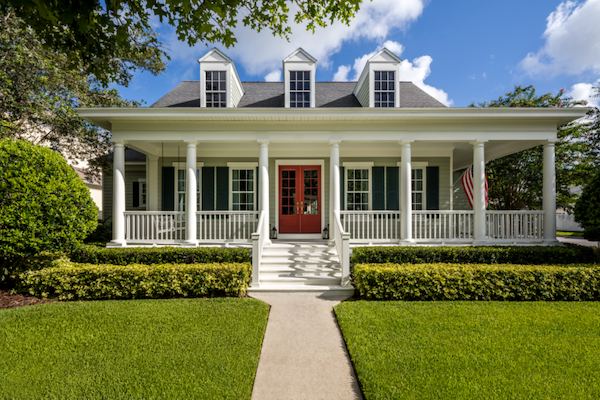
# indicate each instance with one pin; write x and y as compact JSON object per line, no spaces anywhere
{"x":224,"y":162}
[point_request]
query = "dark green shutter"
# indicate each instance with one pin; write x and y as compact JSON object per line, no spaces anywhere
{"x":433,"y":188}
{"x":136,"y":194}
{"x":208,"y":188}
{"x":393,"y":184}
{"x":378,"y":188}
{"x":168,"y":188}
{"x":342,"y":196}
{"x":222,"y":188}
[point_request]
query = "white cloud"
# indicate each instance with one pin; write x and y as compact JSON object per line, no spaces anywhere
{"x":341,"y":74}
{"x":416,"y":72}
{"x":585,"y":91}
{"x":572,"y":41}
{"x":360,"y":62}
{"x":273,"y":76}
{"x":484,"y":75}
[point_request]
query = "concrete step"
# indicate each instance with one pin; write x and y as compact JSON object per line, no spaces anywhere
{"x":298,"y":250}
{"x":299,"y":259}
{"x":300,"y":267}
{"x":274,"y":275}
{"x":299,"y":289}
{"x":300,"y":280}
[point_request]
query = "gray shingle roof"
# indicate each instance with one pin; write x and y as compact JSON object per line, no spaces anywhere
{"x":271,"y":94}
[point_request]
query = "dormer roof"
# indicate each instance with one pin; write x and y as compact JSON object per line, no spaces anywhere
{"x":300,"y":55}
{"x":385,"y":55}
{"x":215,"y":55}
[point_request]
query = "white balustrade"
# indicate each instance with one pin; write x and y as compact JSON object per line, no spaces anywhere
{"x":215,"y":226}
{"x":514,"y":225}
{"x":369,"y":226}
{"x":442,"y":225}
{"x":342,"y":243}
{"x":258,"y":242}
{"x":154,"y":226}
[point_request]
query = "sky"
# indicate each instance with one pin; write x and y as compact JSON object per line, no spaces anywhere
{"x":457,"y":51}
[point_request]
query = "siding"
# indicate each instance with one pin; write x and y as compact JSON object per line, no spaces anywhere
{"x":236,"y":93}
{"x":132,"y":174}
{"x":363,"y":93}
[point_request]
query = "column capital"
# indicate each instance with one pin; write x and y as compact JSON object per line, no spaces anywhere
{"x":263,"y":142}
{"x":335,"y":142}
{"x":550,"y":142}
{"x":191,"y":143}
{"x":151,"y":157}
{"x":478,"y":143}
{"x":405,"y":142}
{"x":119,"y":143}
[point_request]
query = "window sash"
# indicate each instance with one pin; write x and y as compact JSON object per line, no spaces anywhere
{"x":180,"y":188}
{"x":418,"y":188}
{"x":216,"y":89}
{"x":357,"y":181}
{"x":243,"y":189}
{"x":300,"y":89}
{"x":384,"y":88}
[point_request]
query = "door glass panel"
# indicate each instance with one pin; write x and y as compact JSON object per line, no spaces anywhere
{"x":288,"y":193}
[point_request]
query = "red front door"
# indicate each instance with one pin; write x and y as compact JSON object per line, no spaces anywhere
{"x":300,"y":199}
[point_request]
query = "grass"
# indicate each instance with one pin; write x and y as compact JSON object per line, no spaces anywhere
{"x":562,"y":233}
{"x":142,"y":349}
{"x":474,"y":350}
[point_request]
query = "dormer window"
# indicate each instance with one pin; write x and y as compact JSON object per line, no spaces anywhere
{"x":385,"y":88}
{"x":299,"y":89}
{"x":216,"y":89}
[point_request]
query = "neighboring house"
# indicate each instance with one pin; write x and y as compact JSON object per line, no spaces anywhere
{"x":95,"y":188}
{"x":232,"y":163}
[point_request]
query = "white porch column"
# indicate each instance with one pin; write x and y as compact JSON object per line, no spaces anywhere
{"x":334,"y":183}
{"x":406,"y":194}
{"x":118,"y":195}
{"x":478,"y":192}
{"x":549,"y":194}
{"x":152,"y":183}
{"x":263,"y":163}
{"x":191,"y":181}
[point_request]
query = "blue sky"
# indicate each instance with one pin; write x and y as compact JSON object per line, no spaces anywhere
{"x":459,"y":52}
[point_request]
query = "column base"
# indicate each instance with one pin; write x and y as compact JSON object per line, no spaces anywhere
{"x":189,"y":244}
{"x":481,"y":243}
{"x":116,"y":243}
{"x":552,"y":242}
{"x":407,"y":242}
{"x":267,"y":242}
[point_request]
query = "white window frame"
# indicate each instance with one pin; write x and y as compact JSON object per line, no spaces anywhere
{"x":242,"y":165}
{"x":423,"y":166}
{"x":226,"y":91}
{"x":358,"y":165}
{"x":310,"y":88}
{"x":395,"y":80}
{"x":143,"y":190}
{"x":183,"y":166}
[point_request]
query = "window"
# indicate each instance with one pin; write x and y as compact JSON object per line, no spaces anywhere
{"x":180,"y":186}
{"x":418,"y":189}
{"x":385,"y":82}
{"x":142,"y":193}
{"x":357,"y":186}
{"x":242,"y":188}
{"x":216,"y":89}
{"x":299,"y":89}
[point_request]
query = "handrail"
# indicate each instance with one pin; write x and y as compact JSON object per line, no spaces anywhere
{"x":258,"y":241}
{"x":513,"y":212}
{"x":342,"y":242}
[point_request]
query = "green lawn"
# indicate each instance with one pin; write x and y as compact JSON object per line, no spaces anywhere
{"x":561,"y":233}
{"x":136,"y":349}
{"x":474,"y":350}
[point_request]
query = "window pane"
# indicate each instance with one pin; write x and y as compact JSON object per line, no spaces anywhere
{"x":365,"y":174}
{"x":236,"y":197}
{"x":236,"y":186}
{"x":350,"y":186}
{"x":365,"y":186}
{"x":350,"y":174}
{"x":306,"y":75}
{"x":292,"y":75}
{"x":391,"y":75}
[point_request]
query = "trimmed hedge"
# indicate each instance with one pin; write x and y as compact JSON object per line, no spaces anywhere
{"x":159,"y":255}
{"x":71,"y":281}
{"x":477,"y":282}
{"x":530,"y":255}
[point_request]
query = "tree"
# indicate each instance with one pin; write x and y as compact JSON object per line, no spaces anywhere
{"x":110,"y":37}
{"x":39,"y":90}
{"x":44,"y":205}
{"x":587,"y":209}
{"x":515,"y":181}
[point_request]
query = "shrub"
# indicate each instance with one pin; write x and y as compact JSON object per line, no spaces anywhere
{"x":72,"y":281}
{"x":532,"y":255}
{"x":159,"y":255}
{"x":587,"y":209}
{"x":478,"y":282}
{"x":44,"y":205}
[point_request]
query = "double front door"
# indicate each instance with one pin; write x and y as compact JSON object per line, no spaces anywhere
{"x":300,"y":199}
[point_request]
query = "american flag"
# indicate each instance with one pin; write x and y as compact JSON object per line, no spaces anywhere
{"x":467,"y":182}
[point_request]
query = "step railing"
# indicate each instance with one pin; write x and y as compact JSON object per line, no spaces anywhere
{"x":154,"y":226}
{"x":220,"y":226}
{"x":509,"y":225}
{"x":436,"y":225}
{"x":258,"y":242}
{"x":342,"y":243}
{"x":369,"y":226}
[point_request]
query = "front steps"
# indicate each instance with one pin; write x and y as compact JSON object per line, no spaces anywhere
{"x":304,"y":267}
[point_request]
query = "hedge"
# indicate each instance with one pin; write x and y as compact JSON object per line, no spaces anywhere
{"x":72,"y":281}
{"x":530,"y":255}
{"x":577,"y":282}
{"x":159,"y":255}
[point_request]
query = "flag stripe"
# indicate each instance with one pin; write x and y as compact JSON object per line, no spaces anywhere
{"x":467,"y":182}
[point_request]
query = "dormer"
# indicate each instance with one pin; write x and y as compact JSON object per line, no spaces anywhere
{"x":299,"y":70}
{"x":220,"y":84}
{"x":379,"y":82}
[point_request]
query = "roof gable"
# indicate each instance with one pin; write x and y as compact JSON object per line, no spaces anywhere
{"x":385,"y":55}
{"x":300,"y":55}
{"x":215,"y":55}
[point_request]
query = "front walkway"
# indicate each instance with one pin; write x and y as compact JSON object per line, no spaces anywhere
{"x":577,"y":240}
{"x":303,"y":354}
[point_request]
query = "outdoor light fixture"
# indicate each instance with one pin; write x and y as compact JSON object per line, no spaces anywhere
{"x":325,"y":234}
{"x":273,"y":233}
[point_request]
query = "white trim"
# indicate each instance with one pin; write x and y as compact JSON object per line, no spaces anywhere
{"x":242,"y":165}
{"x":353,"y":164}
{"x":140,"y":204}
{"x":424,"y":190}
{"x":320,"y":162}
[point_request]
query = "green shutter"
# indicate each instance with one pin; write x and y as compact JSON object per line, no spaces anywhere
{"x":342,"y":196}
{"x":433,"y":188}
{"x":208,"y":188}
{"x":222,"y":188}
{"x":136,"y":194}
{"x":168,"y":188}
{"x":393,"y":184}
{"x":378,"y":188}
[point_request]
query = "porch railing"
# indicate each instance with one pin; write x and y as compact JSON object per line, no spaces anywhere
{"x":226,"y":225}
{"x":154,"y":226}
{"x":367,"y":226}
{"x":442,"y":225}
{"x":514,"y":225}
{"x":258,"y":242}
{"x":342,"y":243}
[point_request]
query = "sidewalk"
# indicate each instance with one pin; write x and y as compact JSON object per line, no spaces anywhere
{"x":577,"y":240}
{"x":303,"y":354}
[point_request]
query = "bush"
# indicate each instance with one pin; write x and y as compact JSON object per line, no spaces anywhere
{"x":159,"y":255}
{"x":44,"y":205}
{"x":587,"y":209}
{"x":531,"y":255}
{"x":72,"y":281}
{"x":477,"y":282}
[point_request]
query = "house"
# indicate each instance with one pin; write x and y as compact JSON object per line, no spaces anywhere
{"x":95,"y":187}
{"x":224,"y":162}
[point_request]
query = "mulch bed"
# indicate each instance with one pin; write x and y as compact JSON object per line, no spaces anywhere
{"x":8,"y":300}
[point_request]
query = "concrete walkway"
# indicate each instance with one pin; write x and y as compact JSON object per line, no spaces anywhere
{"x":577,"y":240}
{"x":303,"y":354}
